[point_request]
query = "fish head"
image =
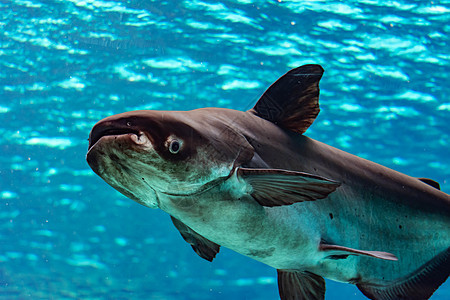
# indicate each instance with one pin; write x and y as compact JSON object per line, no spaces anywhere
{"x":146,"y":155}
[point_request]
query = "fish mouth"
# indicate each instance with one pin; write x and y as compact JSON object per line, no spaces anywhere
{"x":102,"y":131}
{"x":119,"y":138}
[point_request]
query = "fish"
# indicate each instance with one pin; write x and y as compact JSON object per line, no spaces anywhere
{"x":253,"y":182}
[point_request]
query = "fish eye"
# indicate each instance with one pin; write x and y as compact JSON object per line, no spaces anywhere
{"x":128,"y":123}
{"x":174,"y":146}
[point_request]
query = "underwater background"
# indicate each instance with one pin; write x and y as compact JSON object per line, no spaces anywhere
{"x":65,"y":64}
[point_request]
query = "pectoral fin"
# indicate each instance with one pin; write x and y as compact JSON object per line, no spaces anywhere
{"x":340,"y":251}
{"x":201,"y":245}
{"x":297,"y":285}
{"x":273,"y":187}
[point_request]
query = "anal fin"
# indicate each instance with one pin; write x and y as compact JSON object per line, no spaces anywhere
{"x":419,"y":285}
{"x":201,"y":245}
{"x":300,"y":285}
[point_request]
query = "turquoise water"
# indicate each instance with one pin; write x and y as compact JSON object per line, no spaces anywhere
{"x":65,"y":64}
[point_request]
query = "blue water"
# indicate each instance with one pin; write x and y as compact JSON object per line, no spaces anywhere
{"x":65,"y":64}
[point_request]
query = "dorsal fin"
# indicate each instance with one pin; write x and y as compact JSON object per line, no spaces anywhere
{"x":292,"y":102}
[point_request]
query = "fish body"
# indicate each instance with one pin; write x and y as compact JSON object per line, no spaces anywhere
{"x":252,"y":182}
